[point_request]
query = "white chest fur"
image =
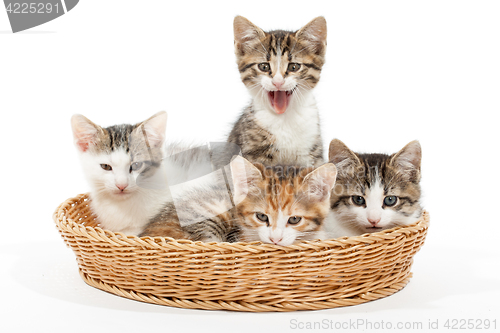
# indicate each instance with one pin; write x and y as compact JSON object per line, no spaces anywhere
{"x":295,"y":131}
{"x":128,"y":216}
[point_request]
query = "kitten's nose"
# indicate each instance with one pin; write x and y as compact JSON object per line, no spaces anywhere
{"x":278,"y":85}
{"x":278,"y":81}
{"x":121,"y":187}
{"x":374,"y":221}
{"x":276,"y":240}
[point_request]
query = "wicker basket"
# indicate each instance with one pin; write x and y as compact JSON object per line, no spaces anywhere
{"x":310,"y":275}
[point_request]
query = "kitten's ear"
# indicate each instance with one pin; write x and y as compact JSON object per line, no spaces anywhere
{"x":408,"y":160}
{"x":245,"y":32}
{"x":319,"y":182}
{"x":344,"y":158}
{"x":154,"y":129}
{"x":314,"y":32}
{"x":84,"y":132}
{"x":245,"y":175}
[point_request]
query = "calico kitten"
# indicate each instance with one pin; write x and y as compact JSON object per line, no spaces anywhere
{"x":374,"y":191}
{"x":282,"y":205}
{"x":280,"y":69}
{"x":276,"y":205}
{"x":113,"y":159}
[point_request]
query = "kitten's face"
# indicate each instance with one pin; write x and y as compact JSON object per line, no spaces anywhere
{"x":115,"y":156}
{"x":282,"y":205}
{"x":376,"y":191}
{"x":280,"y":67}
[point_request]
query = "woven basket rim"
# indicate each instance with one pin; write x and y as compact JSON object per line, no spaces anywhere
{"x":310,"y":275}
{"x":256,"y":246}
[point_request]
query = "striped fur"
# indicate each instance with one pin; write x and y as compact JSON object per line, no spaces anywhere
{"x":209,"y":203}
{"x":289,"y":134}
{"x":278,"y":192}
{"x":374,"y":177}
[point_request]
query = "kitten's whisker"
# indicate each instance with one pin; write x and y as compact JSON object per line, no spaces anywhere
{"x":300,"y":93}
{"x":265,"y":50}
{"x":300,"y":97}
{"x":304,"y":84}
{"x":254,"y":85}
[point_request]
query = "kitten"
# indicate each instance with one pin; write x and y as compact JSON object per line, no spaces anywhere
{"x":276,"y":205}
{"x":202,"y":213}
{"x":114,"y":159}
{"x":282,"y":205}
{"x":280,"y":69}
{"x":374,"y":192}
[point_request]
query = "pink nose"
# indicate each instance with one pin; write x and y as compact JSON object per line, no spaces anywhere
{"x":278,"y":84}
{"x":276,"y":240}
{"x":121,"y":186}
{"x":374,"y":221}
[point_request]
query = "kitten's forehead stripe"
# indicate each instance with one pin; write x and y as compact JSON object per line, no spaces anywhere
{"x":283,"y":185}
{"x":114,"y":138}
{"x":283,"y":46}
{"x":118,"y":137}
{"x":110,"y":139}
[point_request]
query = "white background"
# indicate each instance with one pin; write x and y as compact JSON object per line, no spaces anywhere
{"x":395,"y":71}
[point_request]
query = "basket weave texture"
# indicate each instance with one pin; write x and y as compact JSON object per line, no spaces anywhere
{"x":311,"y":275}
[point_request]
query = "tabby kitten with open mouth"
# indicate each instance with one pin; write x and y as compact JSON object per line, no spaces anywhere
{"x":280,"y":69}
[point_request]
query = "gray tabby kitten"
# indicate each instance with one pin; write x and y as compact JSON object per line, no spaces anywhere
{"x":374,"y":191}
{"x":280,"y":69}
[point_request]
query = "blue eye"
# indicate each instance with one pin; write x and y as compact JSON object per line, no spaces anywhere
{"x":358,"y":200}
{"x":390,"y":200}
{"x":136,"y":166}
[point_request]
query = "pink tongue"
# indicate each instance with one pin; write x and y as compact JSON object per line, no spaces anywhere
{"x":280,"y":102}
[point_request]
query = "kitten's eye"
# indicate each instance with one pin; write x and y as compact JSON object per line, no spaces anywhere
{"x":262,"y":217}
{"x":106,"y":167}
{"x":294,"y":219}
{"x":293,"y":67}
{"x":358,"y":200}
{"x":264,"y":67}
{"x":390,"y":200}
{"x":136,"y":166}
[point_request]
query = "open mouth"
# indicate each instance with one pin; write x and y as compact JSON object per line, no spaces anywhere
{"x":280,"y":99}
{"x":374,"y":228}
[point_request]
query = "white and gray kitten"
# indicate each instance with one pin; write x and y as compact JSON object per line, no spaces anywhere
{"x":133,"y":173}
{"x":112,"y":159}
{"x":374,"y":192}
